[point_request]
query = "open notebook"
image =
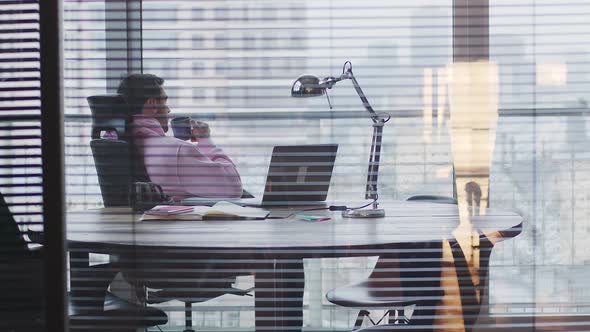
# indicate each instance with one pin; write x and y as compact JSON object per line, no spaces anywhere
{"x":221,"y":210}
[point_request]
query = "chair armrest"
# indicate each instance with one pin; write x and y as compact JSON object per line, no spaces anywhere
{"x":36,"y":236}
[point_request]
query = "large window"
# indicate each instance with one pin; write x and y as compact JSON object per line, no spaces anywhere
{"x":540,"y":161}
{"x":232,"y":63}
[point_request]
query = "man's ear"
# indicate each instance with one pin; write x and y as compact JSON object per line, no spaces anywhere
{"x":149,"y":107}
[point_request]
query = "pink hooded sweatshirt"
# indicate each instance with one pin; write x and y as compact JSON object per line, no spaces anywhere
{"x":185,"y":169}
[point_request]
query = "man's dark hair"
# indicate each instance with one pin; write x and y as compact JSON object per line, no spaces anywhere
{"x":136,"y":89}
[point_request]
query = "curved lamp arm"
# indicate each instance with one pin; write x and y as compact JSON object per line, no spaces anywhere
{"x":347,"y":74}
{"x":378,"y":123}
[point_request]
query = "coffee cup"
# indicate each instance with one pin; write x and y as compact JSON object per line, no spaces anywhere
{"x":182,"y":128}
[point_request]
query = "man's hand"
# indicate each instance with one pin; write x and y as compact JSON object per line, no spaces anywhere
{"x":200,"y":130}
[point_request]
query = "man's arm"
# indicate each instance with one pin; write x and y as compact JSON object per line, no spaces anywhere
{"x":205,"y":170}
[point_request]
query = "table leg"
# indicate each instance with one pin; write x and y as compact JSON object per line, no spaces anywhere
{"x":279,"y":296}
{"x":472,"y":294}
{"x":80,"y":292}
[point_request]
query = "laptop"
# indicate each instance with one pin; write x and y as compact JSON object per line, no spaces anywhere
{"x":298,"y":176}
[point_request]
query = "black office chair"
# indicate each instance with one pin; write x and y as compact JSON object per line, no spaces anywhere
{"x":191,"y":293}
{"x":438,"y":198}
{"x":369,"y":294}
{"x":118,"y":165}
{"x":93,"y":305}
{"x":416,"y":284}
{"x":159,"y":280}
{"x":472,"y":295}
{"x":117,"y":162}
{"x":179,"y":279}
{"x":409,"y":276}
{"x":21,"y":288}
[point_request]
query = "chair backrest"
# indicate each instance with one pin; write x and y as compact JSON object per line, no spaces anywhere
{"x":12,"y":242}
{"x":117,"y":162}
{"x":109,"y":113}
{"x":115,"y":170}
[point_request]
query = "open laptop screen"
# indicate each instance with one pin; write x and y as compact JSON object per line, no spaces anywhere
{"x":299,"y":174}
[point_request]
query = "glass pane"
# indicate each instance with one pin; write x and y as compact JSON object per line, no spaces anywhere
{"x":506,"y":133}
{"x":540,"y":160}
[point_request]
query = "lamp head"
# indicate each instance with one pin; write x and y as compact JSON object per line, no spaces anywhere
{"x":307,"y":86}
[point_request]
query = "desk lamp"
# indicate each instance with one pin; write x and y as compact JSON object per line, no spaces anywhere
{"x":313,"y":86}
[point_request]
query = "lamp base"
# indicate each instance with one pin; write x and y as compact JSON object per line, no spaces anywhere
{"x":367,"y":213}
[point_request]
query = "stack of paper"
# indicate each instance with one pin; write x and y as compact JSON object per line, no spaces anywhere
{"x":221,"y":210}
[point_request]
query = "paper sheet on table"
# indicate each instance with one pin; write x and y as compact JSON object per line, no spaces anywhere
{"x":229,"y":210}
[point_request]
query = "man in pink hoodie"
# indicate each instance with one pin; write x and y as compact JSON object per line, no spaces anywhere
{"x":196,"y":168}
{"x":183,"y":169}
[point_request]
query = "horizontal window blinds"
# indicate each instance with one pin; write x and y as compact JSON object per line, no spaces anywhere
{"x":232,"y":64}
{"x":238,"y":60}
{"x":20,"y":109}
{"x":20,"y":166}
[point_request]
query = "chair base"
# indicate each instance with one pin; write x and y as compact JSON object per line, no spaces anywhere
{"x":116,"y":315}
{"x":394,"y":317}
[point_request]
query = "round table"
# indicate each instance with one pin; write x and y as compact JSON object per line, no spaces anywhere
{"x":272,"y":249}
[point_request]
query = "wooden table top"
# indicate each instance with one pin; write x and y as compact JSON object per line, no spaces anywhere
{"x":406,"y":222}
